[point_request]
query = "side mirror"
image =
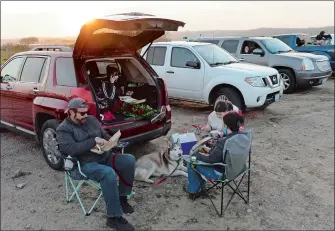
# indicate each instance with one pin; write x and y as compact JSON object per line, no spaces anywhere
{"x":193,"y":64}
{"x":258,"y":52}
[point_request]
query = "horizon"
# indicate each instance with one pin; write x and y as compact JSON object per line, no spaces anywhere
{"x":74,"y":36}
{"x":204,"y":16}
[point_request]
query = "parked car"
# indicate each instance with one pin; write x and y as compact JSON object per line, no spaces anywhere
{"x":203,"y":72}
{"x":36,"y":85}
{"x":295,"y":68}
{"x":326,"y":50}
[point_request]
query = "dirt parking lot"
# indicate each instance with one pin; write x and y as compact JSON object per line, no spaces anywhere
{"x":292,"y":177}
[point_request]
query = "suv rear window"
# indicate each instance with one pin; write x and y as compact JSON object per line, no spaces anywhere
{"x":33,"y":70}
{"x":65,"y":73}
{"x":230,"y":45}
{"x":156,"y":56}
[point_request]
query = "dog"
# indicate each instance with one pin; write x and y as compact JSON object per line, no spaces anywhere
{"x":161,"y":164}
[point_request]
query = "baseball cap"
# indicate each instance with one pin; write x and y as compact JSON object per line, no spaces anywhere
{"x":76,"y":103}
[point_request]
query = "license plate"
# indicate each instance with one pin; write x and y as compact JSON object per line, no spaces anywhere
{"x":277,"y":97}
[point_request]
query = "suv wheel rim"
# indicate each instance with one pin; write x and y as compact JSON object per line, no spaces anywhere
{"x":286,"y":80}
{"x":50,"y":146}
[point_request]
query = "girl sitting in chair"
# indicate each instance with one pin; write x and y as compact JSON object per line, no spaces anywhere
{"x":196,"y":185}
{"x":221,"y":108}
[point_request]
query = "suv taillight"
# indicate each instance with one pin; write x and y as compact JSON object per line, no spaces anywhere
{"x":165,"y":99}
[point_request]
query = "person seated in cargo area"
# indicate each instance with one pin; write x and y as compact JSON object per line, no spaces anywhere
{"x":111,"y":91}
{"x":76,"y":136}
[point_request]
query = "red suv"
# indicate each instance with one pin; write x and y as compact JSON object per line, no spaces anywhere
{"x":36,"y":85}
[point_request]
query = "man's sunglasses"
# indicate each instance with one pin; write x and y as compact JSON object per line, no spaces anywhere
{"x":82,"y":113}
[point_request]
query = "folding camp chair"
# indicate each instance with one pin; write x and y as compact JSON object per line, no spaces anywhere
{"x":236,"y":151}
{"x":73,"y":173}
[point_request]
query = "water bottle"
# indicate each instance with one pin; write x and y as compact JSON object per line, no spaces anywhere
{"x":193,"y":159}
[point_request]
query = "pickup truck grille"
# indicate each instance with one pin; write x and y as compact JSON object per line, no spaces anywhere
{"x":323,"y":65}
{"x":274,"y":79}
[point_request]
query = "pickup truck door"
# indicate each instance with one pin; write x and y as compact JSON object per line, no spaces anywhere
{"x":248,"y":55}
{"x":183,"y":82}
{"x":26,"y":89}
{"x":9,"y":74}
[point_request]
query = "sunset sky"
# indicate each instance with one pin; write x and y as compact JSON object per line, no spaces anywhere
{"x":60,"y":19}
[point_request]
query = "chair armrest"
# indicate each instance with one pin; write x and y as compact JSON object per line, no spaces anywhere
{"x":79,"y":169}
{"x":73,"y":159}
{"x":198,"y":162}
{"x":208,"y":164}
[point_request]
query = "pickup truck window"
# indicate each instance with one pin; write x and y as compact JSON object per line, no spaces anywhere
{"x":248,"y":46}
{"x":65,"y":73}
{"x":214,"y":55}
{"x":286,"y":40}
{"x":156,"y":56}
{"x":276,"y":46}
{"x":230,"y":45}
{"x":180,"y":56}
{"x":11,"y":71}
{"x":33,"y":70}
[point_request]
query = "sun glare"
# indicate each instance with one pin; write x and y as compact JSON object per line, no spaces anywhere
{"x":75,"y":21}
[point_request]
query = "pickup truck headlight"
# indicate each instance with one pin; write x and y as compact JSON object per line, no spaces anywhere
{"x":307,"y":65}
{"x":255,"y":81}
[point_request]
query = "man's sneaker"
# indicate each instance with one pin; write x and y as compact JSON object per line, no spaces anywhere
{"x":119,"y":224}
{"x":126,"y":207}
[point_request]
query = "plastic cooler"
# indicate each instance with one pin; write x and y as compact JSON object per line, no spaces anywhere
{"x":187,"y":141}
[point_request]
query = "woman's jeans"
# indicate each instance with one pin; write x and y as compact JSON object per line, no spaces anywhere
{"x":195,"y":181}
{"x":105,"y":174}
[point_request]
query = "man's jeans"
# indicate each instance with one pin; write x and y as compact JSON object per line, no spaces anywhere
{"x":195,"y":181}
{"x":105,"y":174}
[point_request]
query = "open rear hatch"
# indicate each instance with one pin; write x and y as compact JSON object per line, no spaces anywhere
{"x":120,"y":33}
{"x":115,"y":35}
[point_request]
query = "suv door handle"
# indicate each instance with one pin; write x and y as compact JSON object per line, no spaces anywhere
{"x":35,"y":90}
{"x":170,"y":72}
{"x":8,"y":87}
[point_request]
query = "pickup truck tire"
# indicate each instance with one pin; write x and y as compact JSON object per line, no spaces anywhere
{"x":232,"y":95}
{"x":288,"y":78}
{"x":50,"y":145}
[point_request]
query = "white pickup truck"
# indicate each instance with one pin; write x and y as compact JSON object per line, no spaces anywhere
{"x":203,"y":72}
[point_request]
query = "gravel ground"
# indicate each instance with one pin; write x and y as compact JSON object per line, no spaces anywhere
{"x":292,"y":177}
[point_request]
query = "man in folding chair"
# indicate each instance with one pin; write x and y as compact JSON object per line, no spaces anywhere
{"x":76,"y":136}
{"x":224,"y":164}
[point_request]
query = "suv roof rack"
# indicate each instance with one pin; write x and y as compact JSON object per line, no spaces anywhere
{"x":52,"y":48}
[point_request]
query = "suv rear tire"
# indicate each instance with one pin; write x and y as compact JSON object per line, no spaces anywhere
{"x":50,"y":145}
{"x":288,"y":78}
{"x":232,"y":95}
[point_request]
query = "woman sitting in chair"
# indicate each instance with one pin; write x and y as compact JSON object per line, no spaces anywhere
{"x":196,"y":184}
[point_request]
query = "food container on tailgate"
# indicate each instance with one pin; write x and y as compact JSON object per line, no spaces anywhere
{"x":187,"y":141}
